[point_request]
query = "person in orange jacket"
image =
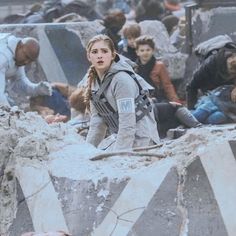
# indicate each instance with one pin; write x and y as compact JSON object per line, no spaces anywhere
{"x":154,"y":71}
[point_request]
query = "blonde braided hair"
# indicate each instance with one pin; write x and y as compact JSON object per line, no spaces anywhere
{"x":88,"y":92}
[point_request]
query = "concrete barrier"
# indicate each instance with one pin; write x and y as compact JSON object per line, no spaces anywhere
{"x":190,"y":193}
{"x":207,"y":23}
{"x":62,"y":56}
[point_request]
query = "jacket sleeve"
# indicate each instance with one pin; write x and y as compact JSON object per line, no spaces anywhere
{"x":160,"y":73}
{"x":205,"y":73}
{"x":3,"y":98}
{"x":202,"y":78}
{"x":125,"y":91}
{"x":21,"y":84}
{"x":3,"y":64}
{"x":97,"y":128}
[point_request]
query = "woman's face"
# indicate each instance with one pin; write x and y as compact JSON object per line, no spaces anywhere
{"x":101,"y":56}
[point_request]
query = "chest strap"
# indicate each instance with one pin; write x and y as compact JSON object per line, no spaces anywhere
{"x":107,"y":112}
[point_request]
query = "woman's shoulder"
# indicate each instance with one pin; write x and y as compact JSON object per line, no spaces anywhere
{"x":122,"y":76}
{"x":123,"y":79}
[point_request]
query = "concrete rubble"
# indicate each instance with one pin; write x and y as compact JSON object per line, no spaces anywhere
{"x":48,"y":182}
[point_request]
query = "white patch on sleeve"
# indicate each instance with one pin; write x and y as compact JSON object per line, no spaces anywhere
{"x":126,"y":105}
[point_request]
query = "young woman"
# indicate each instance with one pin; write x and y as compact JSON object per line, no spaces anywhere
{"x":117,"y":99}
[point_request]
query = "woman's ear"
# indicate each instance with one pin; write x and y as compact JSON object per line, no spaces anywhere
{"x":88,"y":57}
{"x":114,"y":55}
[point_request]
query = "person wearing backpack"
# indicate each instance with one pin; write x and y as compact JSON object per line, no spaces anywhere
{"x":218,"y":68}
{"x":117,"y":99}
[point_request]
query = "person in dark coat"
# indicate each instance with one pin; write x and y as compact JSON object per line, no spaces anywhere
{"x":216,"y":70}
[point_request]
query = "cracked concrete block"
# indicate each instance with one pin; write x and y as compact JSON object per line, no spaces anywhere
{"x":203,"y":212}
{"x":85,"y":205}
{"x":190,"y":192}
{"x":162,"y":215}
{"x":21,"y":224}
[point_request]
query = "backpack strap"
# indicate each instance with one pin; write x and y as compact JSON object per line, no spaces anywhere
{"x":104,"y":85}
{"x":110,"y":116}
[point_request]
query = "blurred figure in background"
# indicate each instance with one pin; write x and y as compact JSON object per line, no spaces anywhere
{"x":15,"y":53}
{"x":130,"y":32}
{"x":149,"y":10}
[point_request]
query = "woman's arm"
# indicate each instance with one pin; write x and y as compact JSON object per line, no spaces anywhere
{"x":125,"y":91}
{"x":97,"y":127}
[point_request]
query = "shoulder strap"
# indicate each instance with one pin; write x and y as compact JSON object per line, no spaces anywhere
{"x":135,"y":79}
{"x":104,"y":85}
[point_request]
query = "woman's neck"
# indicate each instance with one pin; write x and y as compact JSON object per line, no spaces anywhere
{"x":101,"y":74}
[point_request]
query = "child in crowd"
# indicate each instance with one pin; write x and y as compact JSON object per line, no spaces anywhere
{"x":126,"y":46}
{"x":154,"y":71}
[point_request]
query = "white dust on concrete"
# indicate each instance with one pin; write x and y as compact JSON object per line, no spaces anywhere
{"x":28,"y":139}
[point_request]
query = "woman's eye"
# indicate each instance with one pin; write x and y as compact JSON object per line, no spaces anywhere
{"x":94,"y":52}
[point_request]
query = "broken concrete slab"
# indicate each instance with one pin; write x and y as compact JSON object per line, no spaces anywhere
{"x":188,"y":192}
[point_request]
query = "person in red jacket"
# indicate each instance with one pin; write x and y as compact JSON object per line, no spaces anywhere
{"x":154,"y":71}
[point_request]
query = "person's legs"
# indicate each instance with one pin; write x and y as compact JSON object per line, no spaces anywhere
{"x":201,"y":114}
{"x":186,"y":118}
{"x":163,"y":111}
{"x":204,"y":111}
{"x":165,"y":117}
{"x":216,"y":118}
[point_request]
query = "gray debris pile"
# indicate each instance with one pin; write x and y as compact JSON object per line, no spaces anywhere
{"x":27,"y":141}
{"x":23,"y":136}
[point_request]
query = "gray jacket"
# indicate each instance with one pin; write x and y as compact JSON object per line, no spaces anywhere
{"x":121,"y":94}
